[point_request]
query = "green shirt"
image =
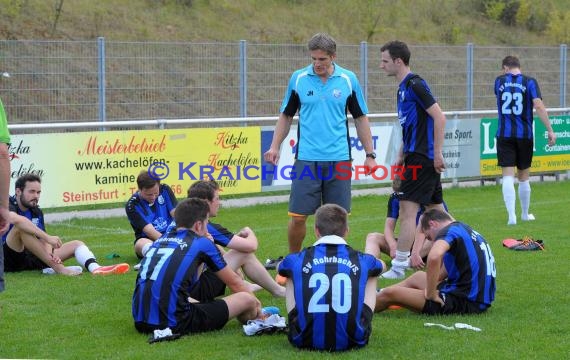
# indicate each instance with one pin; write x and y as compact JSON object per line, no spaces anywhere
{"x":4,"y":133}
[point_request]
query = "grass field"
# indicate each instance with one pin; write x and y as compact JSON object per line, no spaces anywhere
{"x":89,"y":317}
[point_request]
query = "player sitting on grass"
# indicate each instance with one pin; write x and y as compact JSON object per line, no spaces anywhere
{"x":150,"y":210}
{"x":460,"y":277}
{"x":386,"y":242}
{"x":28,"y":247}
{"x":242,"y":246}
{"x":330,"y":287}
{"x":174,"y":291}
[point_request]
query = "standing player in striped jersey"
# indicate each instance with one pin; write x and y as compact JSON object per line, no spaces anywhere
{"x":174,"y":291}
{"x":465,"y":284}
{"x":330,"y":289}
{"x":517,"y":95}
{"x":423,"y":125}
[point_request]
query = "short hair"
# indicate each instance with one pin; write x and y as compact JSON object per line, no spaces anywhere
{"x":203,"y":189}
{"x":331,"y":219}
{"x":511,"y":62}
{"x":397,"y":50}
{"x":189,"y":211}
{"x":26,"y":178}
{"x":324,"y":42}
{"x":435,"y":215}
{"x":145,"y":181}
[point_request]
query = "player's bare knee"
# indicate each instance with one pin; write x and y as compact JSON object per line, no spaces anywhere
{"x":74,"y":244}
{"x":388,"y":293}
{"x":247,"y":303}
{"x":298,"y":220}
{"x":382,"y":301}
{"x":374,"y":236}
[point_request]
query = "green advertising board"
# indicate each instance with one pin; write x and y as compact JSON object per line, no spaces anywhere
{"x":546,"y":158}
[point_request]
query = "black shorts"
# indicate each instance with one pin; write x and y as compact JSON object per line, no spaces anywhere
{"x":209,"y":287}
{"x":201,"y":317}
{"x":319,"y":182}
{"x":365,"y":323}
{"x":452,"y":305}
{"x":20,"y":261}
{"x":514,"y":152}
{"x":421,"y":183}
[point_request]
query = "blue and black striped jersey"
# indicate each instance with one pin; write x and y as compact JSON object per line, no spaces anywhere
{"x":140,"y":212}
{"x":220,"y":234}
{"x":169,"y":271}
{"x":35,"y":215}
{"x":515,"y":95}
{"x":329,"y":282}
{"x":413,"y":98}
{"x":470,"y":265}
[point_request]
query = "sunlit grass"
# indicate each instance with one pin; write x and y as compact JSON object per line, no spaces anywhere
{"x":89,"y":317}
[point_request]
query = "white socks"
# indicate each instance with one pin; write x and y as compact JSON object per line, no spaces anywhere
{"x":524,"y":197}
{"x":145,"y":249}
{"x":86,"y":258}
{"x":509,"y":196}
{"x":402,"y":256}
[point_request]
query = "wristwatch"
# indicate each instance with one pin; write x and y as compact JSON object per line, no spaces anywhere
{"x":371,"y":155}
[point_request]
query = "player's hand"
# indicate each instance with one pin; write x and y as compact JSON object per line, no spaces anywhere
{"x":370,"y":164}
{"x":416,"y":262}
{"x":392,"y":246}
{"x":551,"y":138}
{"x":272,"y":156}
{"x":434,"y":296}
{"x":438,"y":163}
{"x":54,"y":241}
{"x":245,"y":232}
{"x":56,"y":259}
{"x":259,"y":311}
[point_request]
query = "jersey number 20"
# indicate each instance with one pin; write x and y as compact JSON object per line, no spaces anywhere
{"x":341,"y":288}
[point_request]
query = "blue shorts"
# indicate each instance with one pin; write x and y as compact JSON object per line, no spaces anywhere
{"x":314,"y":183}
